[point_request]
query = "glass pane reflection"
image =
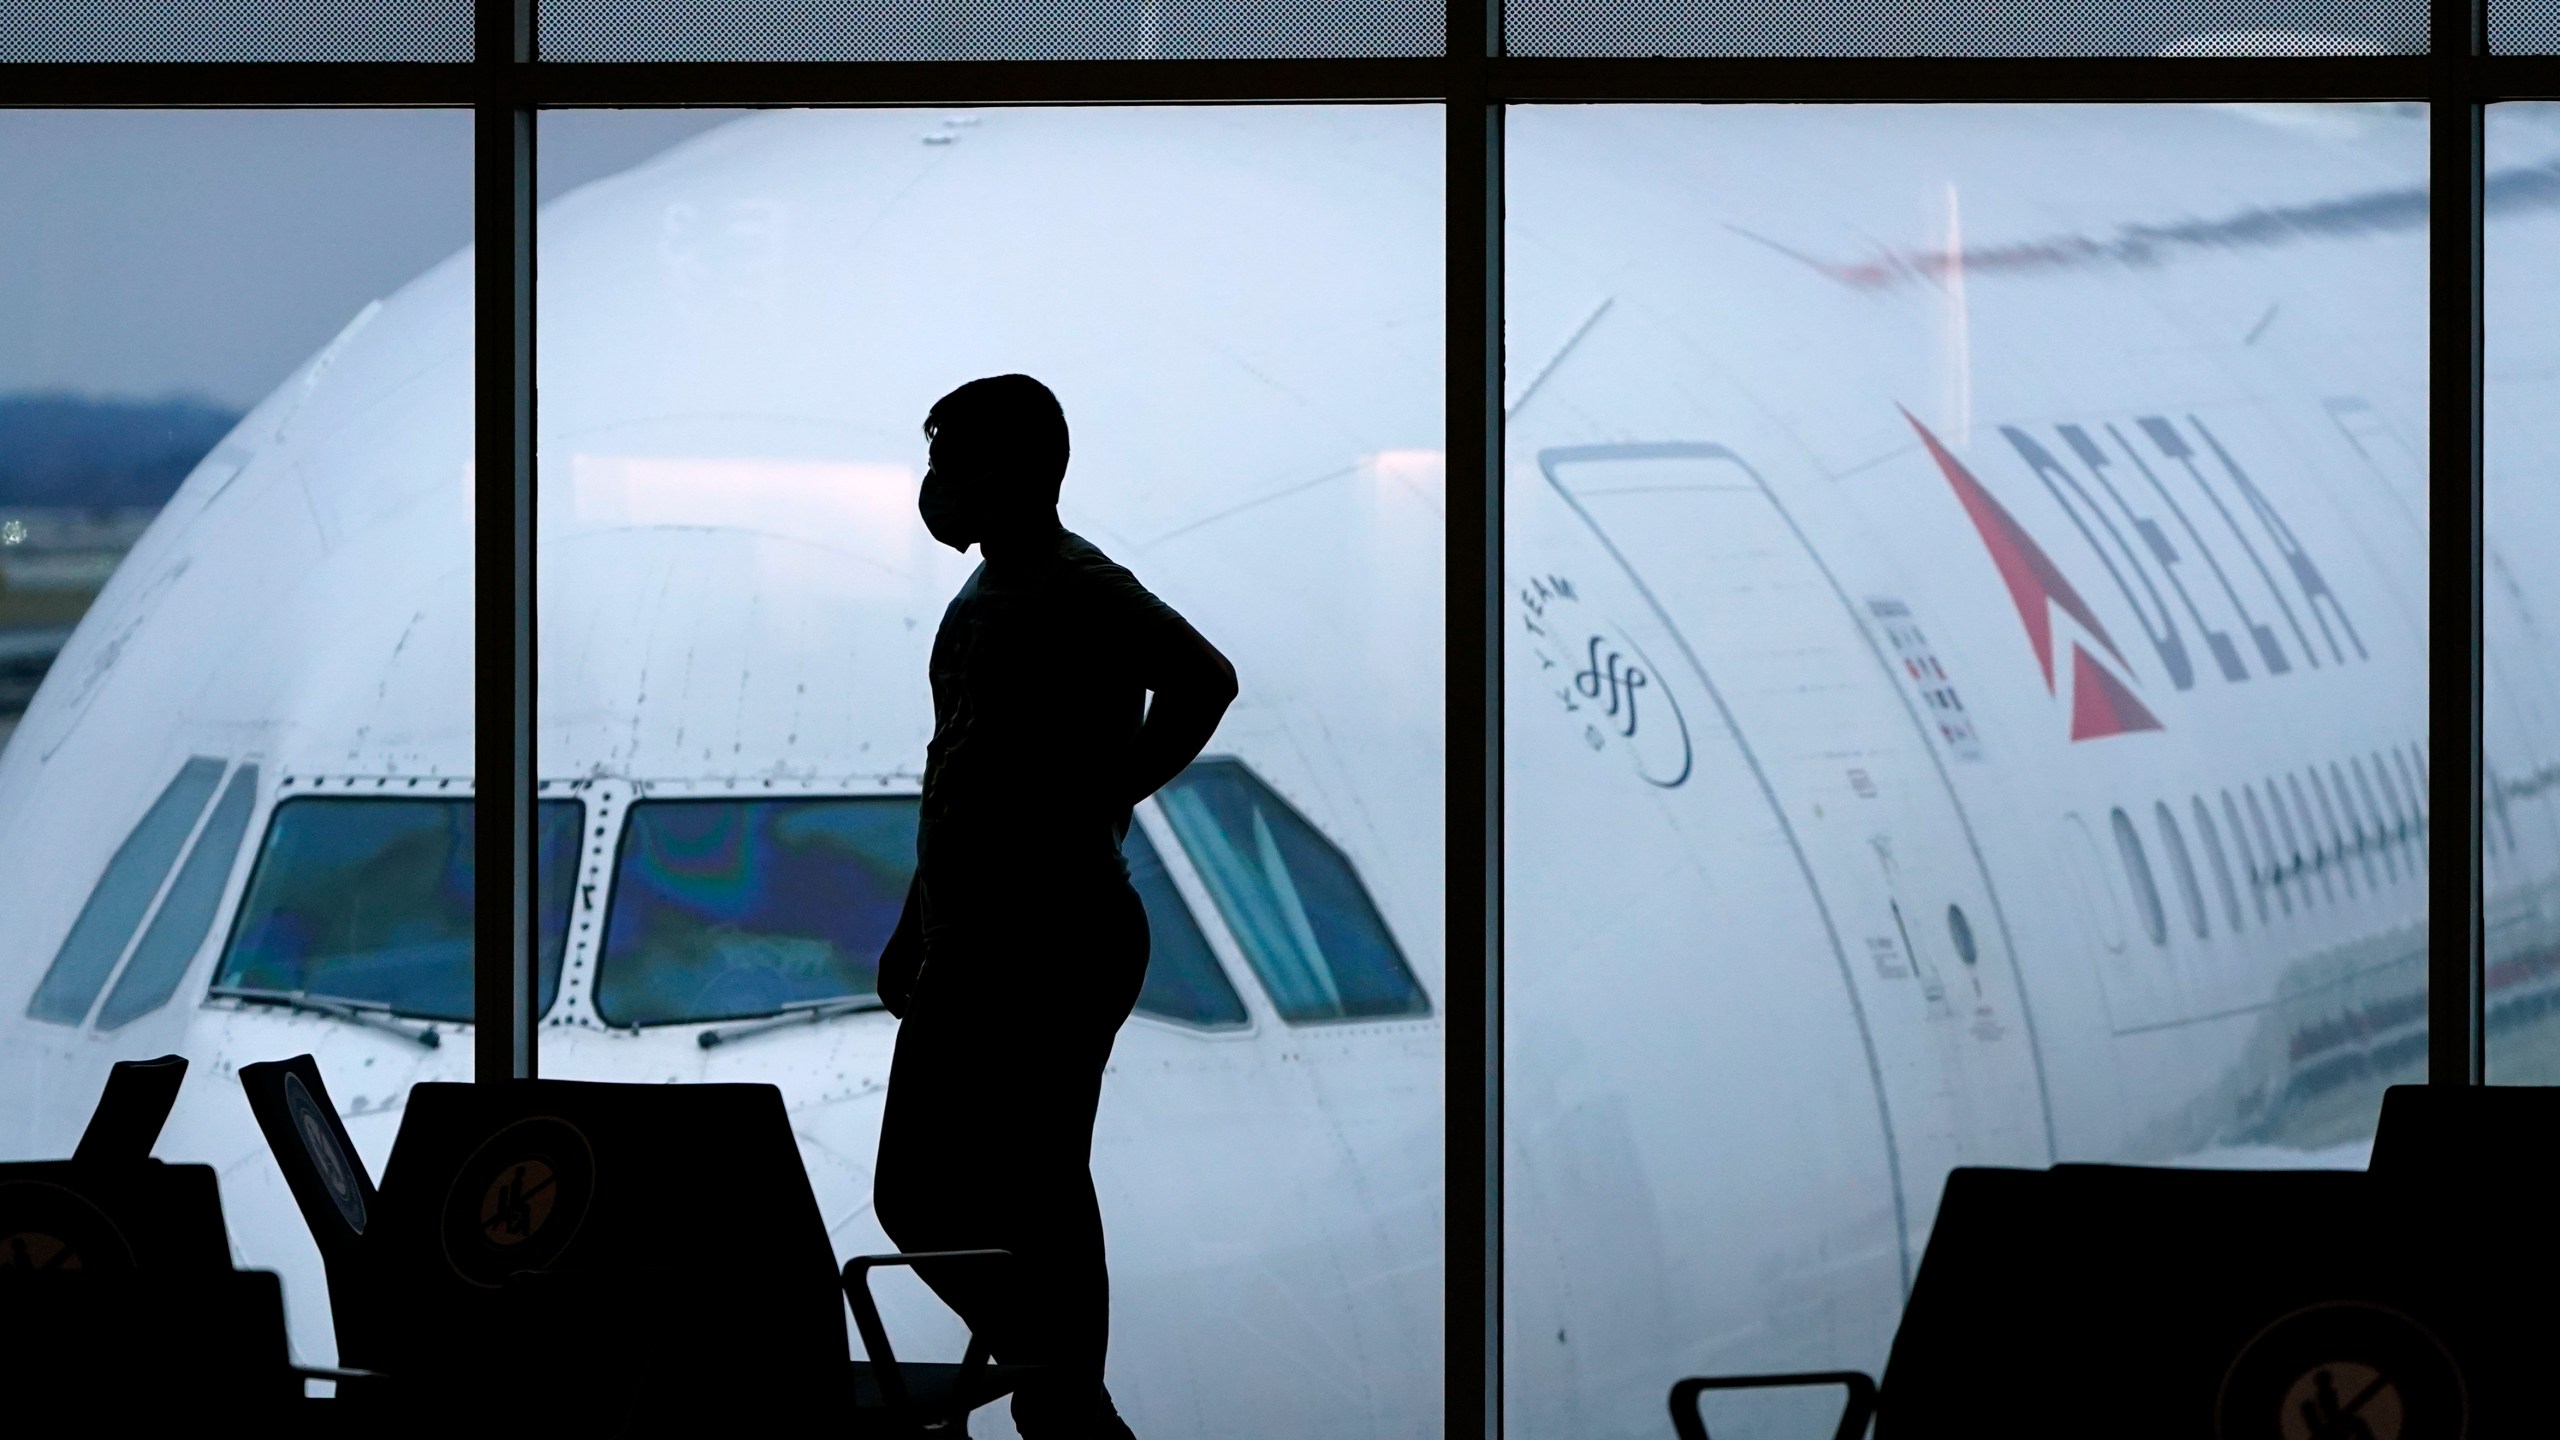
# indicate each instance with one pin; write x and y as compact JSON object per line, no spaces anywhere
{"x":2520,"y":601}
{"x":370,"y":901}
{"x":724,"y":909}
{"x":1239,"y":308}
{"x":1953,"y":553}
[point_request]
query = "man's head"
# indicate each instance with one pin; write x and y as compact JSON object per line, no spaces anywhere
{"x":999,"y":455}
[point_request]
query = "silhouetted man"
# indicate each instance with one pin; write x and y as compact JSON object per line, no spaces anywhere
{"x":1022,"y":945}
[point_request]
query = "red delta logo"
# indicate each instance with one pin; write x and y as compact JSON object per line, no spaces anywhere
{"x":2102,"y":701}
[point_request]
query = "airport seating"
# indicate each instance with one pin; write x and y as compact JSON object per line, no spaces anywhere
{"x":913,"y":1401}
{"x":2484,"y":1134}
{"x":330,"y":1186}
{"x":1689,"y":1421}
{"x":662,"y":1241}
{"x":2098,"y":1300}
{"x":116,"y":1285}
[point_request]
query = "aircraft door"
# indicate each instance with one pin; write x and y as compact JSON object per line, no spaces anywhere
{"x":1806,"y":689}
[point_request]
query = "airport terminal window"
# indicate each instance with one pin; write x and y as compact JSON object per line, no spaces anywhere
{"x":1297,"y":908}
{"x":2137,"y":874}
{"x":1183,"y":981}
{"x":369,"y":901}
{"x":123,"y":893}
{"x":186,"y":914}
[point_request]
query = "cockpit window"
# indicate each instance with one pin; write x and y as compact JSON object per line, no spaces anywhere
{"x":726,"y":909}
{"x":186,"y":914}
{"x":1183,"y":979}
{"x":729,"y":908}
{"x":123,"y":893}
{"x":1296,"y":906}
{"x":369,"y":900}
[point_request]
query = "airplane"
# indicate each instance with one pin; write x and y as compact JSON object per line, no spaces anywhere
{"x":1965,"y":677}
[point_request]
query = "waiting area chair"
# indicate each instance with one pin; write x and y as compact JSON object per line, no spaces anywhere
{"x":117,"y":1291}
{"x":2105,"y":1300}
{"x":662,"y":1240}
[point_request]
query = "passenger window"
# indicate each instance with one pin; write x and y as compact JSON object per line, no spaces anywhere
{"x":2259,"y":880}
{"x":1297,"y":908}
{"x":2278,"y":866}
{"x":724,"y":909}
{"x":2401,"y":833}
{"x":2181,"y":865}
{"x":123,"y":892}
{"x":186,"y":915}
{"x":1183,"y":979}
{"x":2329,"y":807}
{"x":369,"y":901}
{"x":2221,"y":864}
{"x":2137,"y":874}
{"x":2310,"y":834}
{"x":2416,"y":785}
{"x":2369,"y":845}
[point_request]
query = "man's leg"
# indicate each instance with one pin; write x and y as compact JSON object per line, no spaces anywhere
{"x":941,"y":1179}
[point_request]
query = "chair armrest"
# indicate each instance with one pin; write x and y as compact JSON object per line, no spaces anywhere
{"x":866,"y":1313}
{"x":1691,"y":1425}
{"x":333,"y":1372}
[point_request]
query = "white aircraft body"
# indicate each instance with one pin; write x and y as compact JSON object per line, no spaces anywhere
{"x":1967,"y":666}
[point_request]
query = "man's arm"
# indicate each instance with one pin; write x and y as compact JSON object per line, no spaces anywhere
{"x":1193,"y":686}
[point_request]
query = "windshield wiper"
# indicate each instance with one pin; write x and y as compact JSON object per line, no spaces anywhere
{"x":798,"y":1012}
{"x":370,"y":1013}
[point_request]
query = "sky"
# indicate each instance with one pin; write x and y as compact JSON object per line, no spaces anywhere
{"x":206,"y":253}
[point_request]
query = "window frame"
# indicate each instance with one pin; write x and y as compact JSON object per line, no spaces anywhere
{"x":505,"y":85}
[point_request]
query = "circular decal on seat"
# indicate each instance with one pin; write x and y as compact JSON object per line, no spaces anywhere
{"x":336,"y":1168}
{"x":2346,"y":1370}
{"x":519,"y":1200}
{"x":48,"y":1229}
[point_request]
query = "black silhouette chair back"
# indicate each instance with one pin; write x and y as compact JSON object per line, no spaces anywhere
{"x":116,"y":1286}
{"x":2105,"y":1301}
{"x":112,"y":1208}
{"x":676,"y":1219}
{"x":327,"y":1179}
{"x":2474,"y":1137}
{"x":660,"y":1243}
{"x":137,"y":1101}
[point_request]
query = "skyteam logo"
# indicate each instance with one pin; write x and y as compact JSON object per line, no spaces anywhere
{"x":2102,"y":699}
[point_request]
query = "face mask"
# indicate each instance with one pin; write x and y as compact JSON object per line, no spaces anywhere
{"x":946,"y":510}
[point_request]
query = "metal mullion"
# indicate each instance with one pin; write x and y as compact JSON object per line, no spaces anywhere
{"x":1779,"y":78}
{"x":505,"y":975}
{"x":988,"y":82}
{"x":1473,"y":726}
{"x":1507,"y":79}
{"x":2456,"y":174}
{"x":2517,"y":77}
{"x":263,"y":84}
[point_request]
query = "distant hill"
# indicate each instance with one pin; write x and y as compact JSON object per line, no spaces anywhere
{"x":73,"y":452}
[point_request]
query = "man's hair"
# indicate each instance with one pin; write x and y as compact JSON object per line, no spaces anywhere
{"x":1010,"y":423}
